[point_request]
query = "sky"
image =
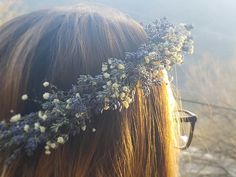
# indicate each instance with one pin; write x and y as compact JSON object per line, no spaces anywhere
{"x":214,"y":21}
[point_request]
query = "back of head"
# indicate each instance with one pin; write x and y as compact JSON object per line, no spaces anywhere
{"x":60,"y":44}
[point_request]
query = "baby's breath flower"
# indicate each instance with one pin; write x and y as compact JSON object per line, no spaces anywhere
{"x":152,"y":55}
{"x":42,"y":129}
{"x":47,"y":147}
{"x":122,"y":76}
{"x":128,"y":99}
{"x":167,"y":52}
{"x":168,"y":62}
{"x":120,"y":66}
{"x":94,"y":83}
{"x":60,"y":140}
{"x":53,"y":145}
{"x":69,"y":101}
{"x":155,"y":63}
{"x":56,"y":100}
{"x":47,"y":152}
{"x":94,"y":130}
{"x":122,"y":95}
{"x":108,"y":83}
{"x":115,"y":85}
{"x":109,"y":61}
{"x":24,"y":97}
{"x":125,"y":104}
{"x":113,"y":96}
{"x":147,"y":59}
{"x":46,"y":95}
{"x":84,"y":128}
{"x":106,"y":107}
{"x":26,"y":128}
{"x":168,"y":67}
{"x":106,"y":75}
{"x":42,"y":116}
{"x":48,"y":142}
{"x":126,"y":89}
{"x":161,"y":67}
{"x":46,"y":84}
{"x":36,"y":125}
{"x":15,"y":118}
{"x":155,"y":73}
{"x":104,"y":67}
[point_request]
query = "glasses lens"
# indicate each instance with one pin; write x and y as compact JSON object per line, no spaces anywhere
{"x":185,"y":129}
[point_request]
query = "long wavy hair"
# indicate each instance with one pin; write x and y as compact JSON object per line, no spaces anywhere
{"x":58,"y":45}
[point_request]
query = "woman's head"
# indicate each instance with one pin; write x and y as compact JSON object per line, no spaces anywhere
{"x":60,"y":44}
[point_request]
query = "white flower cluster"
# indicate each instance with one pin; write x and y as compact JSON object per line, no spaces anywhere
{"x":24,"y":97}
{"x":15,"y":118}
{"x":37,"y":125}
{"x":114,"y":73}
{"x":151,"y":67}
{"x":49,"y":145}
{"x":174,"y":42}
{"x":46,"y":95}
{"x":42,"y":116}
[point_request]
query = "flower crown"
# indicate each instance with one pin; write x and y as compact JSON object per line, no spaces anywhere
{"x":66,"y":113}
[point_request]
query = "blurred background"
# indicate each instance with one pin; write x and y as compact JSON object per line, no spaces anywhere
{"x":206,"y":81}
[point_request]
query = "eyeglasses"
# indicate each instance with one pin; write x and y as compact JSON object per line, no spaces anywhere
{"x":187,"y":124}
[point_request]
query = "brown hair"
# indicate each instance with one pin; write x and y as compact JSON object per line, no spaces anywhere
{"x":60,"y":44}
